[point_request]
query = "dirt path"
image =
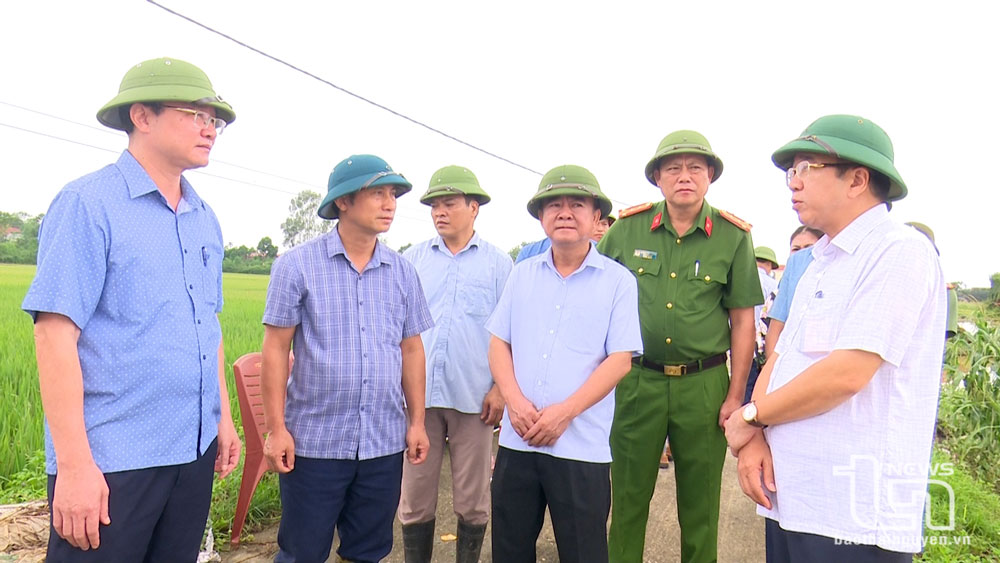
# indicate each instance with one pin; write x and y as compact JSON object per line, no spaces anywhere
{"x":741,"y":531}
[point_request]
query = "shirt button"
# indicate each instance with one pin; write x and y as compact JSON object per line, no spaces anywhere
{"x":673,"y":274}
{"x":641,"y":270}
{"x":551,"y":331}
{"x":545,"y":356}
{"x":708,"y":278}
{"x":185,"y":251}
{"x":199,"y":321}
{"x":190,"y":286}
{"x":670,"y":305}
{"x":668,"y":341}
{"x":678,"y":241}
{"x":204,"y":357}
{"x":557,"y":306}
{"x":362,"y":329}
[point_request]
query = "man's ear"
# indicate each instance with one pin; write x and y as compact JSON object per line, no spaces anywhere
{"x":860,"y":182}
{"x":140,"y":115}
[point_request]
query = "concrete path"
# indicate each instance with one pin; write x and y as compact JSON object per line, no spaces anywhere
{"x":741,"y":531}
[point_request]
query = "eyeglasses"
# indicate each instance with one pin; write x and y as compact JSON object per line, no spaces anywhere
{"x":204,"y":120}
{"x":801,"y":168}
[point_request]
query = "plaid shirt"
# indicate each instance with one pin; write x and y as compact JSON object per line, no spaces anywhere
{"x":344,"y":397}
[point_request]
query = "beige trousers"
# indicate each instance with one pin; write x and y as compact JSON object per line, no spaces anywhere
{"x":469,"y":442}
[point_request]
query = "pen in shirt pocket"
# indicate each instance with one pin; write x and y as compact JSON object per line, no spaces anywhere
{"x":204,"y":255}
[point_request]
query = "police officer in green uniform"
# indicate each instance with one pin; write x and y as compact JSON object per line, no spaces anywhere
{"x":697,"y":277}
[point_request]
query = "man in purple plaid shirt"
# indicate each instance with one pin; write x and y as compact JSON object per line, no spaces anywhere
{"x":336,"y":426}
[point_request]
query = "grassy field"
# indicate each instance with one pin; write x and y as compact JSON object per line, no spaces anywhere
{"x":21,"y":418}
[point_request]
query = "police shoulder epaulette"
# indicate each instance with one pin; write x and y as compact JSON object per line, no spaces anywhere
{"x":735,"y":220}
{"x":635,"y":210}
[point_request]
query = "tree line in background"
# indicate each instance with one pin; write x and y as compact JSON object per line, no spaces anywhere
{"x":19,"y":244}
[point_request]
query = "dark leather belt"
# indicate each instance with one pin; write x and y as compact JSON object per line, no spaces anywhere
{"x":682,"y":369}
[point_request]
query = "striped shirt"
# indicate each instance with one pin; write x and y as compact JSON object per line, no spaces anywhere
{"x":344,"y":397}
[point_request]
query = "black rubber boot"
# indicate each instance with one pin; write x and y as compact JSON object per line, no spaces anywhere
{"x":418,"y":542}
{"x":470,"y":542}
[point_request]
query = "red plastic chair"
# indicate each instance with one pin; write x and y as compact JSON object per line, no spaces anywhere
{"x":246,"y":371}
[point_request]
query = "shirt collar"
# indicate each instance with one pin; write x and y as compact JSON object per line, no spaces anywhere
{"x":335,"y":246}
{"x":850,"y":238}
{"x":662,"y":219}
{"x":139,"y":183}
{"x":591,"y":260}
{"x":438,"y":242}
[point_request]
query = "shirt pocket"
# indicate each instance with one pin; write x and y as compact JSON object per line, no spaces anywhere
{"x":388,"y":323}
{"x":211,"y":277}
{"x":647,"y":275}
{"x":587,"y":328}
{"x":706,"y":281}
{"x":477,"y":298}
{"x":821,"y":323}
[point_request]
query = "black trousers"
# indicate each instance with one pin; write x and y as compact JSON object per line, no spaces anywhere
{"x":577,"y":493}
{"x":157,"y":514}
{"x":795,"y":547}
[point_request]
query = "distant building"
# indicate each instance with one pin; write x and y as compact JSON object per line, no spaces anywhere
{"x":11,"y":233}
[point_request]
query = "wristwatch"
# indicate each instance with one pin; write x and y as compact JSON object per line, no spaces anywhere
{"x":750,"y":415}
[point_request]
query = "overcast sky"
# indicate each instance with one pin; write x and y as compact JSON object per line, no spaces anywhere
{"x":540,"y":83}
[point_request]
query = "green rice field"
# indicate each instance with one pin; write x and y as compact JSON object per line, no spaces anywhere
{"x":21,"y":417}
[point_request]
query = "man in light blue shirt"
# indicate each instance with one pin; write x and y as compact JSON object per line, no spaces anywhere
{"x":800,"y":246}
{"x":130,"y":361}
{"x":564,"y":333}
{"x":462,"y":277}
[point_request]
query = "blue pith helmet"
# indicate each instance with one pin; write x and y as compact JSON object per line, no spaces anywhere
{"x":356,"y":173}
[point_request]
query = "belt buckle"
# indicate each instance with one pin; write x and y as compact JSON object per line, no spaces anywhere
{"x":674,"y":371}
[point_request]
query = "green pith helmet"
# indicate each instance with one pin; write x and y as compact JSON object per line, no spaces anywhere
{"x":684,"y":142}
{"x":454,"y":180}
{"x":927,"y":232}
{"x":766,"y":254}
{"x":846,"y":137}
{"x":164,"y":80}
{"x":568,"y":180}
{"x":356,"y":173}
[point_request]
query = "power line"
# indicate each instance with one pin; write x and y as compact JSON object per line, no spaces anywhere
{"x":114,"y":133}
{"x":342,"y":89}
{"x":193,"y":171}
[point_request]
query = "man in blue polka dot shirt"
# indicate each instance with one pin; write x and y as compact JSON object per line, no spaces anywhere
{"x":125,"y":303}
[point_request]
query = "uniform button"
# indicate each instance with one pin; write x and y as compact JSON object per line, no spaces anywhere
{"x":673,"y":274}
{"x":708,"y":278}
{"x":670,"y":305}
{"x":678,"y":241}
{"x":669,"y":340}
{"x":641,"y":270}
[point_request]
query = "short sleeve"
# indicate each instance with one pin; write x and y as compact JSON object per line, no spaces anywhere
{"x":889,"y":301}
{"x":743,"y":289}
{"x":72,"y":261}
{"x":624,"y":332}
{"x":285,"y":293}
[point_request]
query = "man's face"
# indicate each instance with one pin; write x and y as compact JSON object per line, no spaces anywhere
{"x":765,"y":265}
{"x":805,"y":239}
{"x":372,"y":209}
{"x":684,"y":179}
{"x":569,"y":219}
{"x":179,"y":139}
{"x":818,"y":194}
{"x":453,"y":215}
{"x":602,"y":227}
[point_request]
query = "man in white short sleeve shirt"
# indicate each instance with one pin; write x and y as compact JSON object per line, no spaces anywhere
{"x":849,"y":398}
